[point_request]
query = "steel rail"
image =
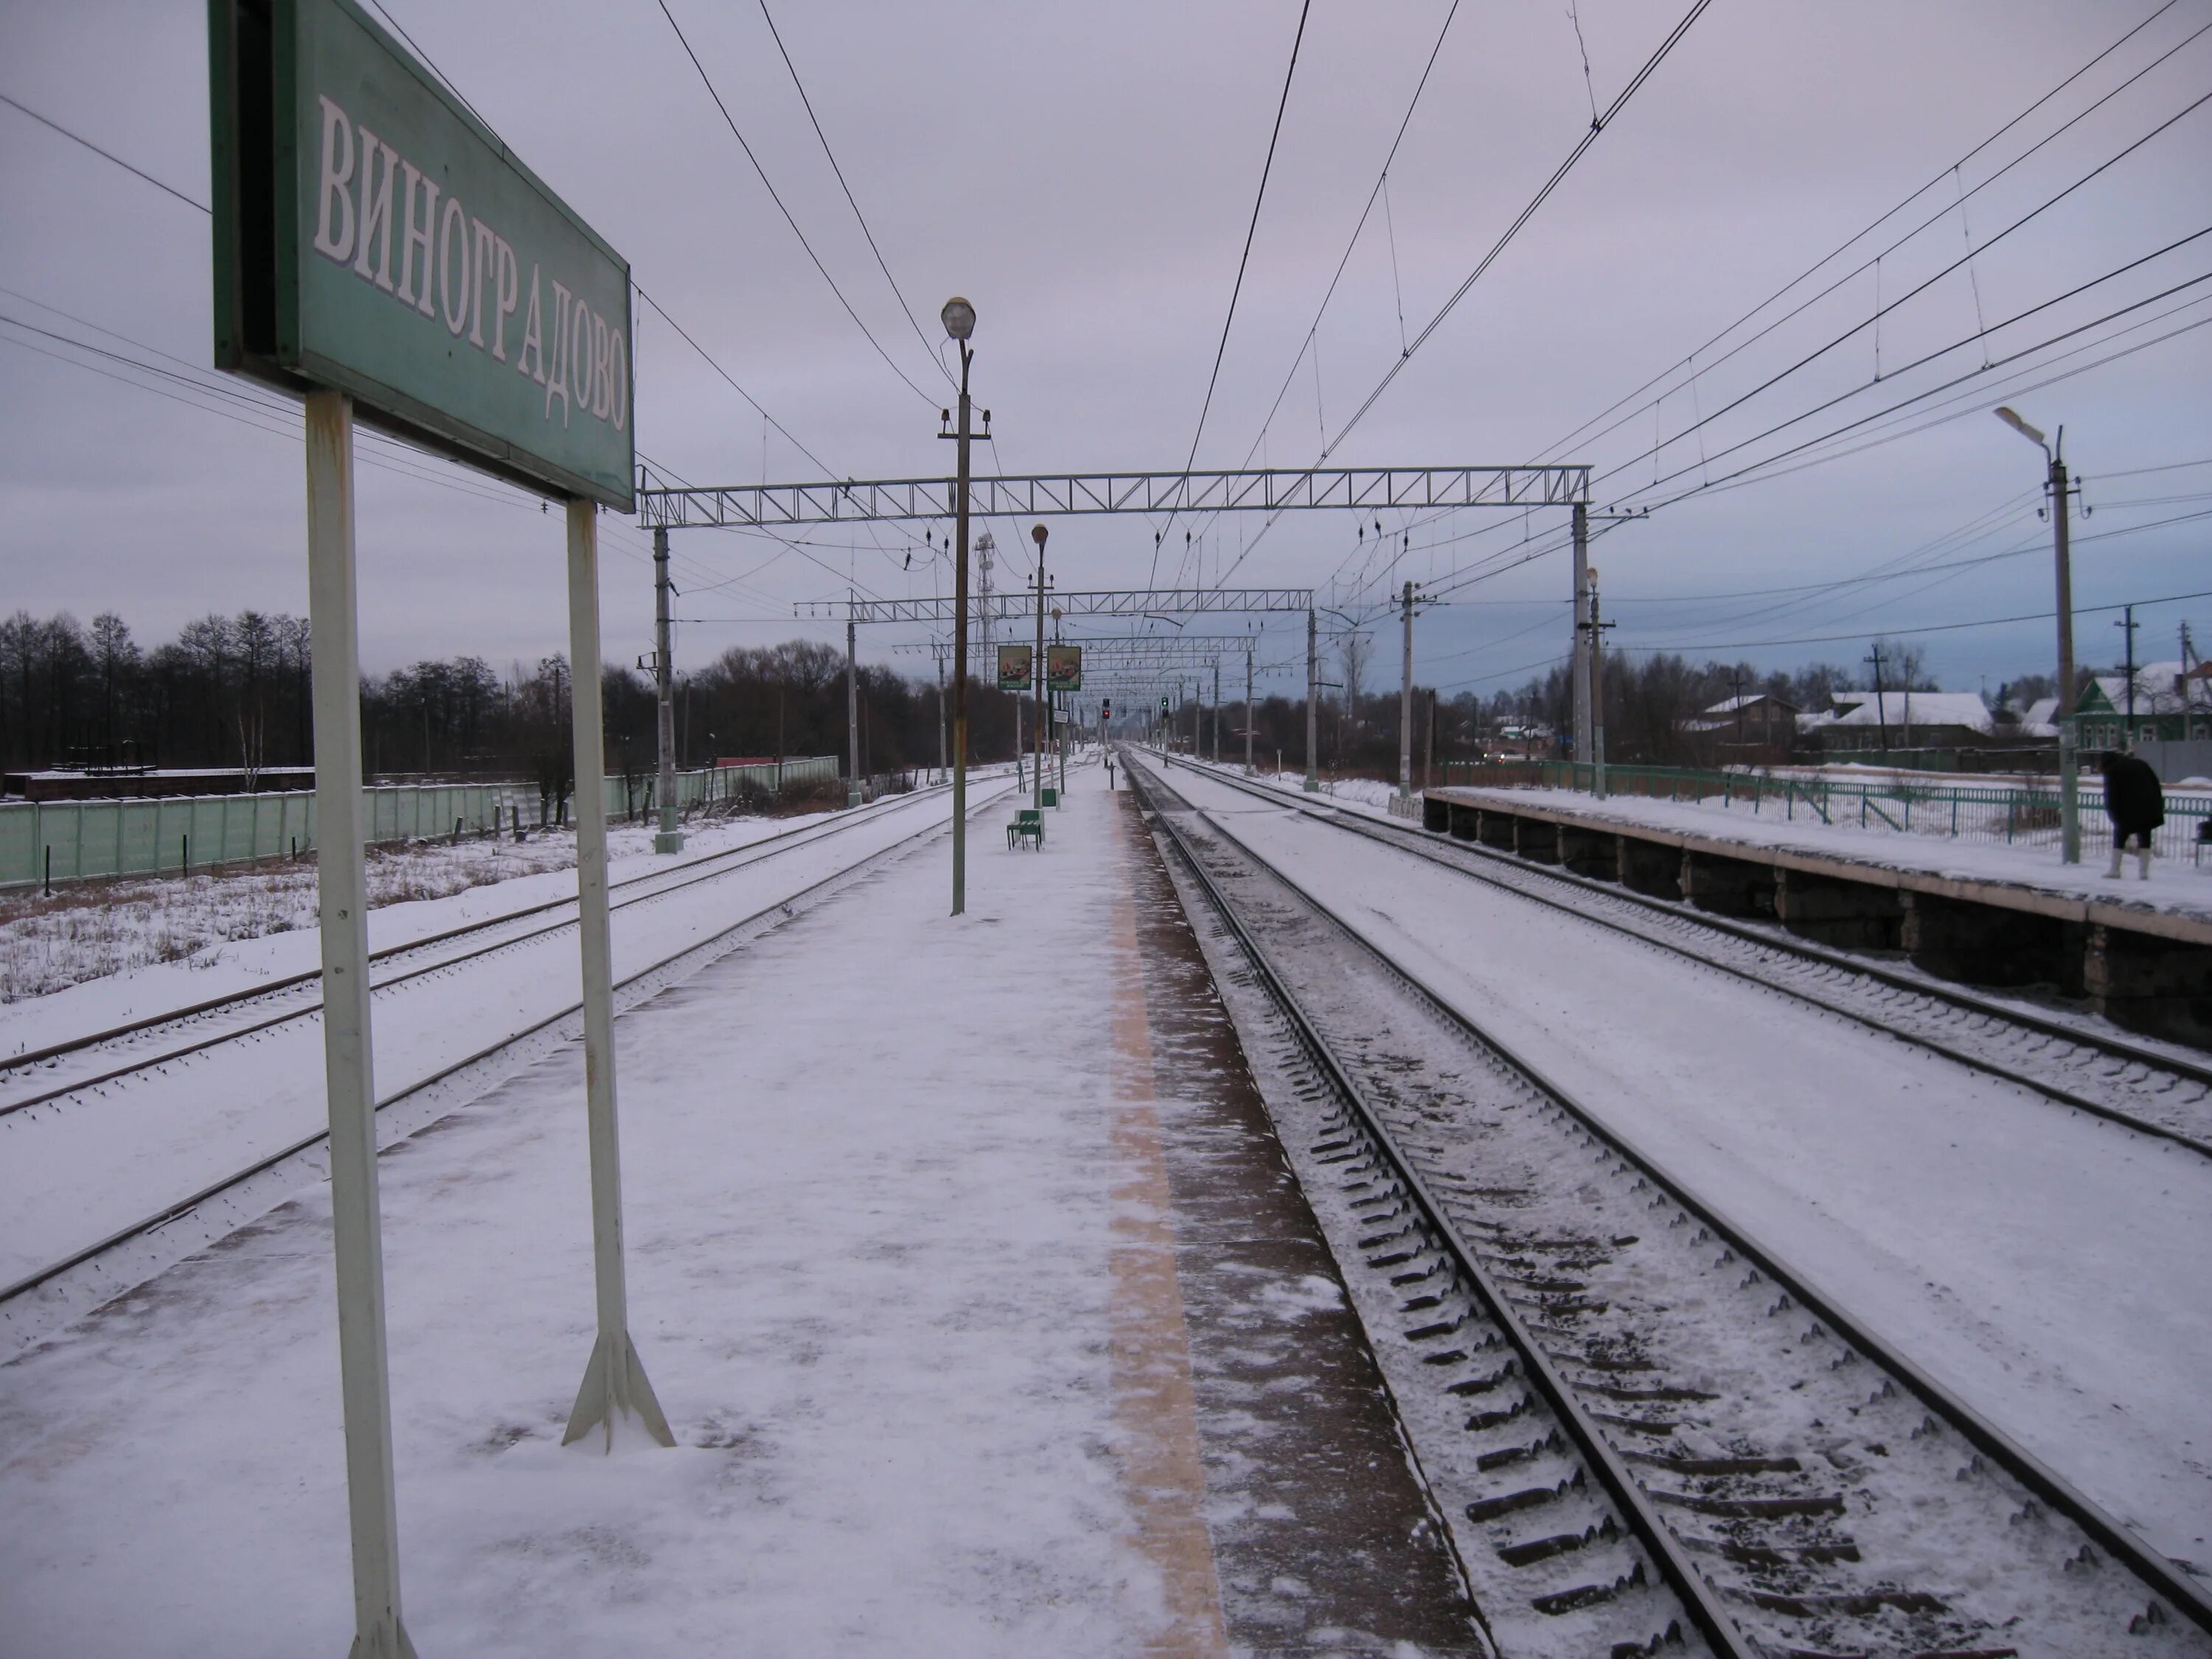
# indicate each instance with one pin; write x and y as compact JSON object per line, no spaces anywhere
{"x":2154,"y":1568}
{"x":1427,"y":844}
{"x":183,"y":1206}
{"x":763,"y":847}
{"x":1699,"y":1601}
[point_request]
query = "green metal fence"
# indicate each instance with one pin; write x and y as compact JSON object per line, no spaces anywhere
{"x":68,"y":840}
{"x":2007,"y":814}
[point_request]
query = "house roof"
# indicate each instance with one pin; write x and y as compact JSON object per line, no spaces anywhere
{"x":2155,"y":690}
{"x":1963,"y":709}
{"x":1728,"y":706}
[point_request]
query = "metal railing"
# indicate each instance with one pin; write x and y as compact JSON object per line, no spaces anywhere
{"x":1996,"y":813}
{"x":72,"y":840}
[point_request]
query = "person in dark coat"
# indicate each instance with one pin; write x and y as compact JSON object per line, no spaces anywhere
{"x":2134,"y":802}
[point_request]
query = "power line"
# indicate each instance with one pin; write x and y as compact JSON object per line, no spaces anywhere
{"x":1934,"y":219}
{"x":1931,"y":628}
{"x":1365,"y":212}
{"x":1582,"y":147}
{"x":847,"y":189}
{"x":1251,"y":229}
{"x":1875,"y":224}
{"x":104,"y":154}
{"x":1527,"y":213}
{"x":731,"y":121}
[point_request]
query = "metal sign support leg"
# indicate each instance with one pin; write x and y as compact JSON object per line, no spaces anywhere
{"x":342,"y":891}
{"x":614,"y":1381}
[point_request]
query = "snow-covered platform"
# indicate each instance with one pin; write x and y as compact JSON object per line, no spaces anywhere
{"x":2139,"y":952}
{"x":963,"y":1261}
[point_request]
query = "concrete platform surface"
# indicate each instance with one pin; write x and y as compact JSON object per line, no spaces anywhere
{"x":988,"y":1317}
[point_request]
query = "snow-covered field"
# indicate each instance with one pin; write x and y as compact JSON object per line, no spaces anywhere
{"x":96,"y":930}
{"x":2047,"y":1265}
{"x":882,"y":1224}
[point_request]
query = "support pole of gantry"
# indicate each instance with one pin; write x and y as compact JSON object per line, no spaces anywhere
{"x":342,"y":893}
{"x":614,"y":1388}
{"x":670,"y":839}
{"x":1406,"y":706}
{"x":1248,"y":721}
{"x":1312,"y":707}
{"x":1581,"y":666}
{"x":852,"y":706}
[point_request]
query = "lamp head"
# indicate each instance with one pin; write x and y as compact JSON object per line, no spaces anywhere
{"x":2013,"y":420}
{"x":1037,"y":533}
{"x":959,"y":318}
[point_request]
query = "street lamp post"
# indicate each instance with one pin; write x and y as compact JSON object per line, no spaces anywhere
{"x":2057,"y":489}
{"x":959,"y":318}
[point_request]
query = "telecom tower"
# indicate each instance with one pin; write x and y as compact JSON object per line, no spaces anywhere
{"x":984,"y":548}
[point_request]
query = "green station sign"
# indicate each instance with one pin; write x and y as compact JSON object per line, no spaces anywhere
{"x":373,"y":237}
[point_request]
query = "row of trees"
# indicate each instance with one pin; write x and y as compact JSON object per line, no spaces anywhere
{"x":1649,"y":700}
{"x":234,"y":691}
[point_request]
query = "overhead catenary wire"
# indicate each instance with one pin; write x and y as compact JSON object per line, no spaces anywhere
{"x":730,"y":120}
{"x":1243,"y":260}
{"x":1543,"y":194}
{"x":2070,"y":80}
{"x":881,"y":264}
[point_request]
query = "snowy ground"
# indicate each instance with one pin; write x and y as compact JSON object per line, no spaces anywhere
{"x":2048,"y":1265}
{"x":881,"y":1217}
{"x":80,"y":1168}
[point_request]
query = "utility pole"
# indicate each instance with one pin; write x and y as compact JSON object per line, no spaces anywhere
{"x":1597,"y":702}
{"x":1037,"y":534}
{"x":1880,"y":710}
{"x":1406,"y":704}
{"x":941,"y":761}
{"x":670,"y":839}
{"x":1216,"y":711}
{"x":1580,"y":666}
{"x":1429,"y":765}
{"x":2128,"y":624}
{"x":1250,"y":720}
{"x":1736,"y":685}
{"x":2057,"y":489}
{"x":959,"y":319}
{"x":1313,"y":695}
{"x":852,"y":706}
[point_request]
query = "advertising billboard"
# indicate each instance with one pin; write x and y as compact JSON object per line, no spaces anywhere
{"x":1063,"y":668}
{"x":1014,"y":667}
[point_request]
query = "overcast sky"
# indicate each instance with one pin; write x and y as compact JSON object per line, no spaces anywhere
{"x":1086,"y":175}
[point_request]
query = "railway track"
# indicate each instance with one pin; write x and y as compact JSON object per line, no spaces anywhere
{"x":1647,"y":1433}
{"x":67,"y":1288}
{"x":100,"y":1058}
{"x":2153,"y":1090}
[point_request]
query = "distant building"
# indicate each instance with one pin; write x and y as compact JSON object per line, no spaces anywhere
{"x":1913,"y":720}
{"x":1758,"y":718}
{"x":2170,"y":706}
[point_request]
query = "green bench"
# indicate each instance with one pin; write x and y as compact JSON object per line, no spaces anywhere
{"x":1027,"y":825}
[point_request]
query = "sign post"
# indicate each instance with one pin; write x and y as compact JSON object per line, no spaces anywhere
{"x":379,"y":254}
{"x":342,"y":893}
